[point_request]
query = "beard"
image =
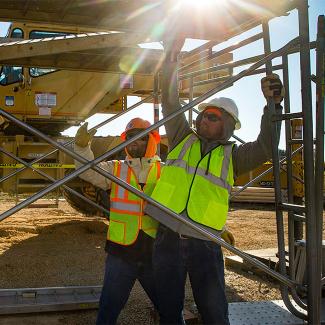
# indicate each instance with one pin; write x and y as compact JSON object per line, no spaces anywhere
{"x":136,"y":151}
{"x":209,"y":133}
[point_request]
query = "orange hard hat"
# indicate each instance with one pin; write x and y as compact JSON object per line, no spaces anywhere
{"x":139,"y":123}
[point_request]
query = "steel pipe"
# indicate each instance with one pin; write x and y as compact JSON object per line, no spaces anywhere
{"x":112,"y":118}
{"x":313,"y":266}
{"x":92,"y":164}
{"x":29,"y":165}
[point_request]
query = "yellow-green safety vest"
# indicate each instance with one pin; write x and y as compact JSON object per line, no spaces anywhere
{"x":126,"y":209}
{"x":201,"y":185}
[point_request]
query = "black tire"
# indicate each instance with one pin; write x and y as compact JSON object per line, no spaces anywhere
{"x":81,"y":205}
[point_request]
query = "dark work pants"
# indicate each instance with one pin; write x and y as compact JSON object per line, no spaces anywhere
{"x":173,"y":258}
{"x":119,"y":279}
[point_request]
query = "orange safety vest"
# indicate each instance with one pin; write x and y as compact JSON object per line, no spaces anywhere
{"x":126,"y":210}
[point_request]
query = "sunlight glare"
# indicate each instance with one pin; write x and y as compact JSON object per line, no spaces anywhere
{"x":205,"y":3}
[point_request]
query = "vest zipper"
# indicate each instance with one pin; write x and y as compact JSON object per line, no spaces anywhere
{"x":207,"y":170}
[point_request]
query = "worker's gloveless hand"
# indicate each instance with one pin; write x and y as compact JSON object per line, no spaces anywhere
{"x":228,"y":237}
{"x":272,"y":88}
{"x":83,"y":136}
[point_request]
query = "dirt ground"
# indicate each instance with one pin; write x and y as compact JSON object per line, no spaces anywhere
{"x":60,"y":247}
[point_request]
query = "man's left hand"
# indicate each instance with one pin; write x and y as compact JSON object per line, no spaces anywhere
{"x":228,"y":237}
{"x":83,"y":136}
{"x":272,"y":88}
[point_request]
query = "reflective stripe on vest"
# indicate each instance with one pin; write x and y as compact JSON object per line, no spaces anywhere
{"x":126,"y":211}
{"x":199,"y":184}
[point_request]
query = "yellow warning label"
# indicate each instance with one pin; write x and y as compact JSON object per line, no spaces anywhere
{"x":39,"y":165}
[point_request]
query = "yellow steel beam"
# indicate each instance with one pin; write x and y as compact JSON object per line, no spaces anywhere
{"x":87,"y":52}
{"x":215,"y":22}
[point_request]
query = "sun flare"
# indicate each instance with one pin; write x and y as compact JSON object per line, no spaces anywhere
{"x":205,"y":3}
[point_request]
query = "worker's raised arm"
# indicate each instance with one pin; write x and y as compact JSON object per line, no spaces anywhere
{"x":252,"y":154}
{"x":82,"y":147}
{"x":178,"y":127}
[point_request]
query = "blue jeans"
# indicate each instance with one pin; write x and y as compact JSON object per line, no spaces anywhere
{"x":120,"y":276}
{"x":173,"y":258}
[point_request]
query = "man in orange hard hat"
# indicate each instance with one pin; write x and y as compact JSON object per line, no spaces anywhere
{"x":196,"y":182}
{"x":130,"y":233}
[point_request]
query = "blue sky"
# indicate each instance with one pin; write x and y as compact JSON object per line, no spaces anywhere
{"x":245,"y":92}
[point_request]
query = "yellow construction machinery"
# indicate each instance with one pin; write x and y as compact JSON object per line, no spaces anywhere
{"x":54,"y":99}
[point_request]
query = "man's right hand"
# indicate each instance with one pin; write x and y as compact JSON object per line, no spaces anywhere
{"x":83,"y":136}
{"x":228,"y":237}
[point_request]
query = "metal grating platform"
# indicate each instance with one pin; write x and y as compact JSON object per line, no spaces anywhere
{"x":261,"y":313}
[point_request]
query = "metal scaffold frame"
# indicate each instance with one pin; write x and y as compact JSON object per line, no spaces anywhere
{"x":310,"y":213}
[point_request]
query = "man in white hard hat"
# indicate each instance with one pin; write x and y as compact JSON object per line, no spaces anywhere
{"x":196,"y":182}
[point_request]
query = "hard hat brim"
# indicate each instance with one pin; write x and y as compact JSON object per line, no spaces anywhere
{"x":155,"y":134}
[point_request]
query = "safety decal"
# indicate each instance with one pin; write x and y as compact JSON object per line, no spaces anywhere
{"x":45,"y":99}
{"x":9,"y":100}
{"x":39,"y":165}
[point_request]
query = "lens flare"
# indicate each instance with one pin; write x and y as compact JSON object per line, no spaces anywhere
{"x":204,"y":3}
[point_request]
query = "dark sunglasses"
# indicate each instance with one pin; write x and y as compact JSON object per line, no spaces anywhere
{"x":129,"y":136}
{"x":211,"y":117}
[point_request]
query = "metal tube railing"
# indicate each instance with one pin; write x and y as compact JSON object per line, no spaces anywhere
{"x":292,"y":217}
{"x":93,"y":164}
{"x":221,"y":52}
{"x":250,"y":60}
{"x":4,"y":178}
{"x":292,"y":207}
{"x":312,"y":249}
{"x":221,"y":79}
{"x":283,"y":160}
{"x":319,"y":144}
{"x":289,"y":164}
{"x":320,"y":106}
{"x":206,"y":46}
{"x":262,"y":174}
{"x":299,"y":217}
{"x":277,"y":181}
{"x":196,"y":101}
{"x":141,"y":134}
{"x":222,"y":67}
{"x":161,"y":122}
{"x":29,"y":165}
{"x":312,"y":226}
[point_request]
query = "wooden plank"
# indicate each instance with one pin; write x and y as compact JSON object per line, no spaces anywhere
{"x":267,"y":256}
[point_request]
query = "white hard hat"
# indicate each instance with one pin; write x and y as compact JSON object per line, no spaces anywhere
{"x":227,"y":105}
